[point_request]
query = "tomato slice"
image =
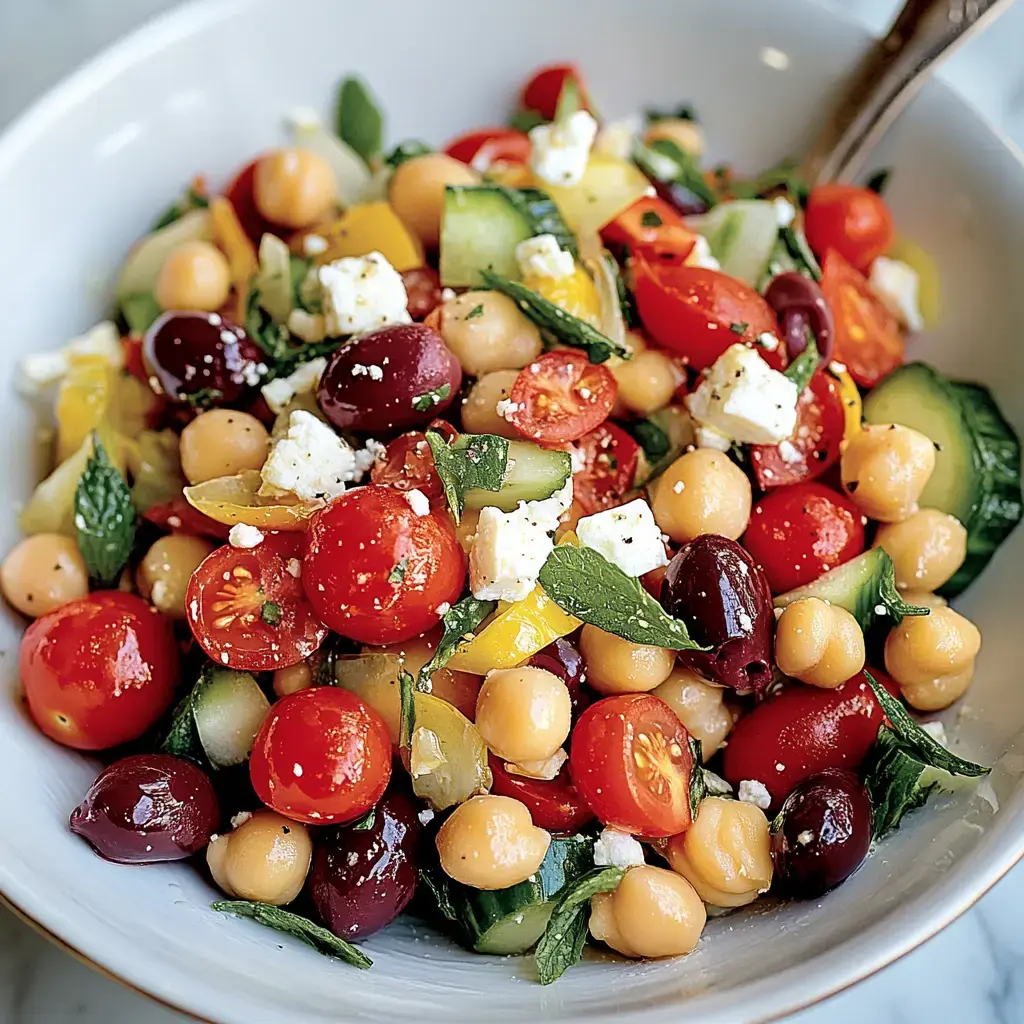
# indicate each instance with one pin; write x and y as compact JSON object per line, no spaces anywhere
{"x":408,"y":465}
{"x":610,"y":458}
{"x":868,"y":338}
{"x":814,"y":446}
{"x":652,"y":225}
{"x":487,"y":146}
{"x":541,"y":93}
{"x":850,"y":219}
{"x":631,"y":763}
{"x":561,"y":396}
{"x":554,"y":805}
{"x":247,"y":608}
{"x":178,"y":516}
{"x":240,"y":193}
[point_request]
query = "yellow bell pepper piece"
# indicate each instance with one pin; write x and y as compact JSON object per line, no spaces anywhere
{"x":229,"y":236}
{"x":576,"y":294}
{"x":371,"y":227}
{"x":929,"y":285}
{"x":853,"y":407}
{"x":608,"y":186}
{"x":82,"y":402}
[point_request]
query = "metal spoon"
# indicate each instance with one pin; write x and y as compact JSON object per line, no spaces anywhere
{"x":923,"y":35}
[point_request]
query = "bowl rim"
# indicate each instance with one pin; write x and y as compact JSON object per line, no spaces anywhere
{"x":788,"y":992}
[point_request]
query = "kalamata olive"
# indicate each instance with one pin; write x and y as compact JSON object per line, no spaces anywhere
{"x":562,"y":658}
{"x":822,"y":834}
{"x":716,"y":588}
{"x":804,"y":730}
{"x":393,"y":378}
{"x":423,"y":290}
{"x":202,"y":358}
{"x":680,"y":197}
{"x":147,"y":808}
{"x":800,"y":304}
{"x":361,"y":879}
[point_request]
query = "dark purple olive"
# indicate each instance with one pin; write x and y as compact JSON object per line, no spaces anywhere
{"x":201,"y":358}
{"x":393,"y":378}
{"x":822,"y":834}
{"x":361,"y":880}
{"x":562,"y":658}
{"x":717,"y":589}
{"x":799,"y":304}
{"x":148,"y":808}
{"x":679,"y":197}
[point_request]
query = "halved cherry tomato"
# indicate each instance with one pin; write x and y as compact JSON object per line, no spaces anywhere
{"x":631,"y":763}
{"x":376,"y":571}
{"x":487,"y":146}
{"x":814,"y":446}
{"x":408,"y":464}
{"x":321,"y":756}
{"x":868,"y":339}
{"x":554,"y":804}
{"x":610,"y":457}
{"x":178,"y":516}
{"x":650,"y":224}
{"x":133,"y":361}
{"x":700,"y":313}
{"x":100,"y":671}
{"x":240,"y":193}
{"x":561,"y":396}
{"x":542,"y":91}
{"x":852,"y":220}
{"x":423,"y":291}
{"x":797,"y":533}
{"x":247,"y":608}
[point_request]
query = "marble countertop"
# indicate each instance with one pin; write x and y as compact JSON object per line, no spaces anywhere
{"x":972,"y":972}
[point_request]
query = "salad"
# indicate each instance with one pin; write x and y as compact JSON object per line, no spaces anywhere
{"x":546,"y":536}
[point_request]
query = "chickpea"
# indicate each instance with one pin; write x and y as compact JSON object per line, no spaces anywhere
{"x":487,"y":331}
{"x":416,"y":192}
{"x":699,"y":706}
{"x":490,"y":842}
{"x":265,"y":858}
{"x":653,"y":913}
{"x":819,"y":643}
{"x":925,"y":549}
{"x":615,"y":665}
{"x":931,"y":657}
{"x":725,"y":854}
{"x":222,"y":442}
{"x":465,"y":528}
{"x":43,"y":572}
{"x":646,"y":382}
{"x":195,"y":275}
{"x":479,"y":410}
{"x":166,"y":568}
{"x":884,"y":469}
{"x":684,"y":132}
{"x":702,"y":492}
{"x":292,"y":679}
{"x":294,"y":187}
{"x":523,"y":714}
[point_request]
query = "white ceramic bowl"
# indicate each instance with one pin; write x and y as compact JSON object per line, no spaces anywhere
{"x":202,"y":89}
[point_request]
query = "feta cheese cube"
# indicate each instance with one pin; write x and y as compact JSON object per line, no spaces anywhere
{"x":702,"y":256}
{"x":613,"y":848}
{"x":560,"y":151}
{"x":896,"y":284}
{"x":418,"y":502}
{"x":627,"y":536}
{"x":743,"y":398}
{"x":708,"y":437}
{"x":278,"y":393}
{"x":541,"y":256}
{"x":753,"y":792}
{"x":785,"y":213}
{"x":617,"y":138}
{"x":42,"y":369}
{"x":242,"y":535}
{"x":361,"y":293}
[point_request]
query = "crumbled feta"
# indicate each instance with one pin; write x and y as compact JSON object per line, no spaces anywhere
{"x":242,"y":535}
{"x":743,"y":398}
{"x":361,"y":293}
{"x":315,"y":245}
{"x":627,"y":536}
{"x":753,"y":792}
{"x":785,"y":213}
{"x":715,"y":784}
{"x":505,"y":408}
{"x":307,"y":327}
{"x":426,"y":816}
{"x":240,"y":819}
{"x":547,"y":769}
{"x":789,"y":453}
{"x":767,"y":341}
{"x":560,"y":152}
{"x":278,"y":393}
{"x":896,"y":284}
{"x":418,"y":502}
{"x":702,"y":256}
{"x":541,"y":256}
{"x":447,"y":294}
{"x":613,"y":848}
{"x":616,"y":138}
{"x":937,"y":731}
{"x":41,"y":369}
{"x":708,"y":437}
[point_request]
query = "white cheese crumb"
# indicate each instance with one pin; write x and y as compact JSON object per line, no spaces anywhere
{"x":613,"y":848}
{"x":294,"y":567}
{"x":242,"y":535}
{"x":715,"y":784}
{"x":708,"y":437}
{"x":626,"y":535}
{"x":896,"y":284}
{"x":240,"y":818}
{"x":426,"y":816}
{"x":361,"y":293}
{"x":42,"y":369}
{"x":702,"y":256}
{"x":447,"y":294}
{"x":753,"y":792}
{"x":767,"y":341}
{"x":560,"y":152}
{"x":785,"y":213}
{"x":789,"y":453}
{"x":307,"y":327}
{"x":837,"y":367}
{"x":443,"y":608}
{"x":805,"y":837}
{"x":314,"y":245}
{"x":541,"y":256}
{"x":418,"y":502}
{"x":505,"y":408}
{"x":278,"y":393}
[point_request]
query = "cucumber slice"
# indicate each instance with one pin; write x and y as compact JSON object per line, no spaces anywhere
{"x":229,"y":708}
{"x":742,"y":235}
{"x":534,"y":473}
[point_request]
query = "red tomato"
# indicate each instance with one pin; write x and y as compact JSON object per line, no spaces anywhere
{"x":408,"y":464}
{"x":852,"y":220}
{"x":178,"y":516}
{"x":650,"y":224}
{"x":631,"y":763}
{"x":247,"y":608}
{"x":802,"y":731}
{"x":542,"y":91}
{"x":100,"y":671}
{"x":797,"y":533}
{"x":321,"y":756}
{"x":376,"y":571}
{"x":814,"y":445}
{"x":554,"y":805}
{"x":561,"y":396}
{"x":423,"y":289}
{"x":240,"y":193}
{"x":133,"y":362}
{"x":610,"y":458}
{"x":487,"y":146}
{"x":868,"y":338}
{"x":693,"y":311}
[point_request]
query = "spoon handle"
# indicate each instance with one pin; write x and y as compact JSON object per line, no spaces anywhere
{"x":924,"y":34}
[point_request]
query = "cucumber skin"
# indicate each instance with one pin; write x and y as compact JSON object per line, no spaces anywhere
{"x":853,"y":586}
{"x":537,"y":474}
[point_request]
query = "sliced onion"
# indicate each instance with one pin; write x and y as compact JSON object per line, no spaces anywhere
{"x":595,"y":257}
{"x":351,"y":175}
{"x":274,"y":278}
{"x":234,"y":499}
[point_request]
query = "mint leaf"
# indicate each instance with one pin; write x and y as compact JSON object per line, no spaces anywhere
{"x":799,"y":251}
{"x":890,"y":597}
{"x":365,"y":823}
{"x":406,"y":151}
{"x":893,"y":780}
{"x":105,"y":517}
{"x":271,"y":613}
{"x":802,"y":369}
{"x":140,"y":310}
{"x":698,"y":785}
{"x":460,"y":619}
{"x":421,"y":403}
{"x":474,"y":460}
{"x":191,"y":200}
{"x":584,"y":583}
{"x":360,"y":122}
{"x":475,"y":311}
{"x":407,"y":723}
{"x":666,"y":161}
{"x":298,"y":927}
{"x":182,"y":738}
{"x":651,"y":438}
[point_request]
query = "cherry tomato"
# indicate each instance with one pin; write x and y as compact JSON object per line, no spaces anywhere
{"x":100,"y":671}
{"x":134,"y":364}
{"x":561,"y":396}
{"x":650,"y":225}
{"x":631,"y":763}
{"x":487,"y":146}
{"x":554,"y":805}
{"x":814,"y":446}
{"x":178,"y":516}
{"x":247,"y":608}
{"x":541,"y":93}
{"x":423,"y":291}
{"x":241,"y":194}
{"x":321,"y":756}
{"x":376,"y":571}
{"x":853,"y":221}
{"x":408,"y":464}
{"x":797,"y":533}
{"x":610,"y":458}
{"x":868,"y":338}
{"x":700,"y":313}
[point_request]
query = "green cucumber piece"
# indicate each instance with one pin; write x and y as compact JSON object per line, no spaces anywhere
{"x":742,"y":235}
{"x":534,"y":473}
{"x":229,"y":708}
{"x":662,"y":437}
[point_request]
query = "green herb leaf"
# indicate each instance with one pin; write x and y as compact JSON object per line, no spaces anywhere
{"x":802,"y":369}
{"x":740,"y":328}
{"x":421,"y":403}
{"x":203,"y":398}
{"x":325,"y":659}
{"x":105,"y":517}
{"x":651,"y":438}
{"x":360,"y":122}
{"x":182,"y":738}
{"x":666,"y":161}
{"x":474,"y":312}
{"x":407,"y":725}
{"x":684,"y":112}
{"x":366,"y":823}
{"x":568,"y":99}
{"x":298,"y":927}
{"x":273,"y":339}
{"x":191,"y":200}
{"x":460,"y":619}
{"x":698,"y":785}
{"x":474,"y":460}
{"x":795,"y":244}
{"x":407,"y":151}
{"x":525,"y":119}
{"x":626,"y":303}
{"x":893,"y":780}
{"x":397,"y":574}
{"x":878,"y":181}
{"x":271,"y":613}
{"x":565,"y":327}
{"x":584,"y":583}
{"x":784,"y":175}
{"x":140,"y":310}
{"x":889,"y":596}
{"x":649,"y":219}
